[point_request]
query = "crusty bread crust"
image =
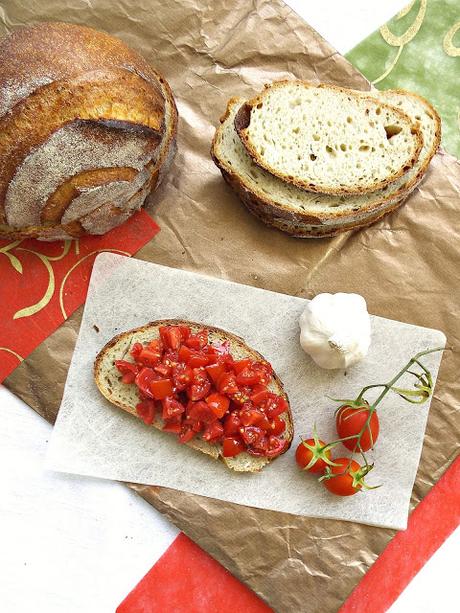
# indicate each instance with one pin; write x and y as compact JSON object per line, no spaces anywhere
{"x":109,"y":387}
{"x":77,"y":73}
{"x":331,"y":221}
{"x":242,"y":121}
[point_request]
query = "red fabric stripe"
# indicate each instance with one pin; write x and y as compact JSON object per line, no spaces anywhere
{"x":187,"y":580}
{"x":429,"y":525}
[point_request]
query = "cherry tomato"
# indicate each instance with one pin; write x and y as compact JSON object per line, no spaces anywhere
{"x":161,"y":388}
{"x":232,"y":446}
{"x":146,"y":411}
{"x":218,"y":403}
{"x":350,"y":421}
{"x":311,"y":456}
{"x":348,"y":479}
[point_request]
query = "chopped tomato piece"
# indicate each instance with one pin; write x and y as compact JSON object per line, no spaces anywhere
{"x":215,"y":371}
{"x":213,"y":432}
{"x":200,"y":386}
{"x":200,"y":412}
{"x":248,"y":376}
{"x":161,"y":388}
{"x":254,"y":417}
{"x":232,"y":446}
{"x":232,"y":423}
{"x":148,"y":357}
{"x":143,"y":380}
{"x":240,"y":365}
{"x":162,"y":369}
{"x":275,"y":446}
{"x":174,"y":427}
{"x":184,"y":332}
{"x":171,"y":407}
{"x":264,"y":371}
{"x":198,"y":340}
{"x":227,"y":384}
{"x":124,"y":367}
{"x":182,"y":376}
{"x":259,"y":394}
{"x":156,"y":345}
{"x":186,"y":435}
{"x":185,"y":353}
{"x":218,"y":403}
{"x":171,"y":336}
{"x":278,"y":426}
{"x":136,"y":349}
{"x":251,"y":434}
{"x":242,"y":395}
{"x":146,"y":411}
{"x":197,"y":360}
{"x":274,"y":405}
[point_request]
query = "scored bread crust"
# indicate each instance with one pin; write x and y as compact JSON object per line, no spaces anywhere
{"x":111,"y":87}
{"x":242,"y":121}
{"x":284,"y":216}
{"x":109,"y":383}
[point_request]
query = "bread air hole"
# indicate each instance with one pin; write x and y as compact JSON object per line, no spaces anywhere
{"x":343,"y":147}
{"x":260,"y":105}
{"x":296,"y":130}
{"x":364,"y":148}
{"x":312,"y":157}
{"x":349,"y":120}
{"x":316,"y":137}
{"x":330,"y":150}
{"x":378,"y":110}
{"x":391,"y":130}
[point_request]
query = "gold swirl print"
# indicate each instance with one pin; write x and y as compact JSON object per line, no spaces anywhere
{"x":16,"y":355}
{"x":447,"y":43}
{"x":406,"y":37}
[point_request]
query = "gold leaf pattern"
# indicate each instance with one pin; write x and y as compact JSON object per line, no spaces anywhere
{"x":447,"y":43}
{"x":16,"y":355}
{"x":38,"y":306}
{"x":403,"y":39}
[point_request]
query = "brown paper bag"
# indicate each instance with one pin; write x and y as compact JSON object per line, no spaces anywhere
{"x":406,"y":266}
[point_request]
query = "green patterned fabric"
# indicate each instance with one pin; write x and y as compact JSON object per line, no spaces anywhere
{"x":419,"y":50}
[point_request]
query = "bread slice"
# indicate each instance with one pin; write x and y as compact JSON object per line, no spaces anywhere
{"x":327,"y":139}
{"x":306,"y":214}
{"x":109,"y":382}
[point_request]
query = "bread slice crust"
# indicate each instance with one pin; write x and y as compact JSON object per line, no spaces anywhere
{"x":109,"y":384}
{"x":243,"y":119}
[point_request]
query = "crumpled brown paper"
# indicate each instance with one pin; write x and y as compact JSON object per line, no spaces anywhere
{"x":406,"y":267}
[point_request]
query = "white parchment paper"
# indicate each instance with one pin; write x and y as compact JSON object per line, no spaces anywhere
{"x":92,"y":437}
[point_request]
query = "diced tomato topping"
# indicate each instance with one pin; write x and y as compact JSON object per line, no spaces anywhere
{"x":184,"y":332}
{"x":143,"y":380}
{"x":198,"y":359}
{"x":218,"y":403}
{"x":203,"y":391}
{"x":148,"y":357}
{"x":162,"y":369}
{"x":201,"y":412}
{"x":213,"y":432}
{"x":227,"y":384}
{"x":240,"y":365}
{"x":136,"y":349}
{"x":161,"y":388}
{"x":146,"y":411}
{"x":198,"y":340}
{"x":186,"y":435}
{"x":173,"y":427}
{"x":215,"y":371}
{"x":171,"y":407}
{"x":232,"y":446}
{"x":259,"y":394}
{"x":232,"y":423}
{"x":278,"y":426}
{"x":182,"y":376}
{"x":171,"y":336}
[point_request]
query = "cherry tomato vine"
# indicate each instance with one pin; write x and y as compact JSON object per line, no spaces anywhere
{"x":344,"y":476}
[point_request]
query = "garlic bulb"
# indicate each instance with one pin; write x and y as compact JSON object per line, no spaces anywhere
{"x":335,"y":329}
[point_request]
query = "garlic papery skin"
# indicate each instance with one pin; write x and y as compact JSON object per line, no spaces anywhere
{"x":335,"y":330}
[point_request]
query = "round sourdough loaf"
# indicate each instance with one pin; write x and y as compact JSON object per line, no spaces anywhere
{"x":87,"y":131}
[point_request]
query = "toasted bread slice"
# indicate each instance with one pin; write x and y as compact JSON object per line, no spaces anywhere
{"x":108,"y":380}
{"x":307,"y":214}
{"x":328,"y":139}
